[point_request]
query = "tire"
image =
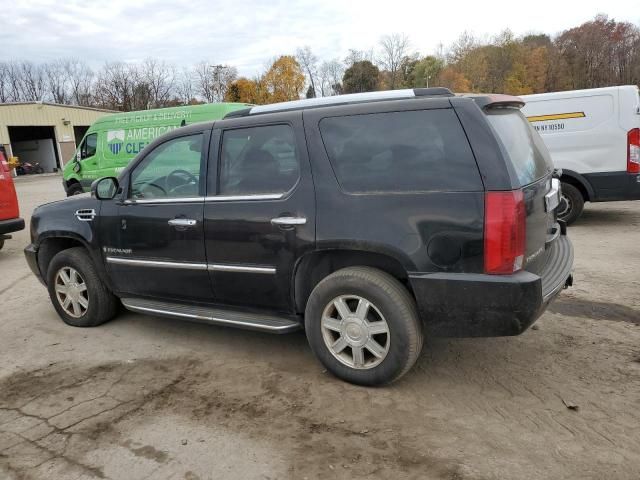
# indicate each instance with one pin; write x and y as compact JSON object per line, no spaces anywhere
{"x":39,"y":169}
{"x":1,"y":243}
{"x":390,"y":303}
{"x":571,"y":204}
{"x":74,"y":189}
{"x":101,"y":304}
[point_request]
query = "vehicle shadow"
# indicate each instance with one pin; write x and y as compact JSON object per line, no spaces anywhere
{"x":442,"y":359}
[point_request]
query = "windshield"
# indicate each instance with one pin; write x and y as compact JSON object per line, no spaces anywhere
{"x":525,"y":148}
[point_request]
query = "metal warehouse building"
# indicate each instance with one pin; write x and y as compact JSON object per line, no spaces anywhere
{"x":46,"y":133}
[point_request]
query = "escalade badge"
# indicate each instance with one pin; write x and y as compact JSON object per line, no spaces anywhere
{"x":121,"y":251}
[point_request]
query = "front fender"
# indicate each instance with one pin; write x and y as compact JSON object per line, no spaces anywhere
{"x":56,"y":226}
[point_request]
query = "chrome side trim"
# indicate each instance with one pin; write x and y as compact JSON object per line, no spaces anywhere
{"x":215,"y":267}
{"x":163,"y":200}
{"x":157,"y":263}
{"x":213,"y":198}
{"x":236,"y":198}
{"x":220,"y":267}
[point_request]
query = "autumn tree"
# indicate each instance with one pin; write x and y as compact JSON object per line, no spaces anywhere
{"x":361,"y":76}
{"x":454,"y":80}
{"x":284,"y":80}
{"x":244,"y":90}
{"x":601,"y":52}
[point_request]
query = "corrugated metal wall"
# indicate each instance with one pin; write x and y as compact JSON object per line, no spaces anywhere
{"x":28,"y":114}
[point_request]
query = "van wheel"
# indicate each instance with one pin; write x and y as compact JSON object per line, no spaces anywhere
{"x":363,"y":326}
{"x":74,"y":189}
{"x":571,"y":203}
{"x":77,"y":292}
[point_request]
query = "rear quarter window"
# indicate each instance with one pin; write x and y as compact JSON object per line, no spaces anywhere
{"x":410,"y":151}
{"x":522,"y":144}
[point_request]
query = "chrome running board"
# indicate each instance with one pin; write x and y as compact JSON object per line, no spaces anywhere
{"x":216,"y":316}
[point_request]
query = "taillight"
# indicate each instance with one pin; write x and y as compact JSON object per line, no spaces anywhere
{"x":504,"y":232}
{"x":633,"y":151}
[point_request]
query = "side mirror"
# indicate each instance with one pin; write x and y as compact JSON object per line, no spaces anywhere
{"x":76,"y":165}
{"x":105,"y":188}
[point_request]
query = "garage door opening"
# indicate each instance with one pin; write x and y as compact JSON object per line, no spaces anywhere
{"x":78,"y":133}
{"x":35,"y":145}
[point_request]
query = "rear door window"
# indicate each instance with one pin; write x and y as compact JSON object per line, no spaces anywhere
{"x":410,"y":151}
{"x":258,"y":160}
{"x":523,"y":145}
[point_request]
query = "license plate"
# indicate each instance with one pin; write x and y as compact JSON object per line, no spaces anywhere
{"x":552,"y":198}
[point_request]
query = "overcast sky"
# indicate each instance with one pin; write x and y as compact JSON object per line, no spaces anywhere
{"x":248,"y":33}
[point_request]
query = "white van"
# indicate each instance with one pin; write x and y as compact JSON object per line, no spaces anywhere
{"x":594,"y":137}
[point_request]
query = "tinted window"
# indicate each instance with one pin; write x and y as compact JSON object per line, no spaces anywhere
{"x":400,"y":152}
{"x":89,"y":145}
{"x":171,"y":170}
{"x":258,"y":160}
{"x":523,"y":145}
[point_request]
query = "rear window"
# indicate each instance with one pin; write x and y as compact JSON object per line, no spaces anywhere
{"x":523,"y":145}
{"x":411,"y":151}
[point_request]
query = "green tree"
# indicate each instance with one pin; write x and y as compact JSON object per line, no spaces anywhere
{"x":361,"y":76}
{"x":425,"y":72}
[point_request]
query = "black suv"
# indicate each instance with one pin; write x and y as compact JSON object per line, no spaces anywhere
{"x":369,"y":220}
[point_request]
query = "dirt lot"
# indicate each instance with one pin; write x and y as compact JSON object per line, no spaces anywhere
{"x":145,"y":397}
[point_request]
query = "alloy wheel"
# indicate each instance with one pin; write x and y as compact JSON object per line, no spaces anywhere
{"x":71,"y":292}
{"x":355,"y":332}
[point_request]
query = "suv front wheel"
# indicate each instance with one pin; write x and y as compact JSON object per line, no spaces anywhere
{"x":363,"y":326}
{"x":77,"y":292}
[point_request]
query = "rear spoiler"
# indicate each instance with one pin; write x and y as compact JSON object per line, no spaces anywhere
{"x":496,"y":100}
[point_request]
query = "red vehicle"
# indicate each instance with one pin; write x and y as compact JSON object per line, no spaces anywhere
{"x":10,"y":220}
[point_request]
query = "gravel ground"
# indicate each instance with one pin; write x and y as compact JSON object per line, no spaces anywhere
{"x":145,"y":397}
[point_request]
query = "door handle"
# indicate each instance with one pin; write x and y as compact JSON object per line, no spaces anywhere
{"x":182,"y":222}
{"x":288,"y":221}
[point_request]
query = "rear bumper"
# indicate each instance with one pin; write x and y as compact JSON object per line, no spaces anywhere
{"x":614,"y":186}
{"x":11,"y":225}
{"x":480,"y":305}
{"x":31,"y":255}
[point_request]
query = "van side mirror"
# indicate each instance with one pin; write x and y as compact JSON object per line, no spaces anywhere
{"x":104,"y":188}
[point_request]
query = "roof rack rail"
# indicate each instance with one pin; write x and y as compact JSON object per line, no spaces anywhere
{"x":343,"y":100}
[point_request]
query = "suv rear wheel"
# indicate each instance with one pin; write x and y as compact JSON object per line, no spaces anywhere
{"x":77,"y":292}
{"x":571,"y":203}
{"x":363,"y":326}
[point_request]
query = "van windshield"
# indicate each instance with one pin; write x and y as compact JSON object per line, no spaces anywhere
{"x":526,"y":150}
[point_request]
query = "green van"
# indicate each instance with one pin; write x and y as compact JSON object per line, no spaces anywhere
{"x":113,"y":140}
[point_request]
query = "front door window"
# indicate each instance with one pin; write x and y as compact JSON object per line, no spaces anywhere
{"x":172,"y":170}
{"x":89,"y":146}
